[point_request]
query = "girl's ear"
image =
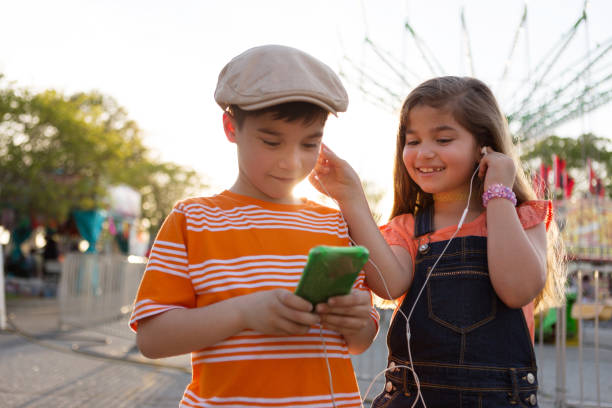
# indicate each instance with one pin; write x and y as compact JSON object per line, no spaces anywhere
{"x":229,"y":127}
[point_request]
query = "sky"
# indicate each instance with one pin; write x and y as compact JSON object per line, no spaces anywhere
{"x":160,"y":60}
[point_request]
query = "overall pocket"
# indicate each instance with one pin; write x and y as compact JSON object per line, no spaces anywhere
{"x":461,"y":300}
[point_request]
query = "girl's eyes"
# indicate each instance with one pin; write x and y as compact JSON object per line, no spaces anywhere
{"x":440,"y":141}
{"x":311,"y":145}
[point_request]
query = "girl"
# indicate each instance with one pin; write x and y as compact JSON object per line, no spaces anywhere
{"x":469,"y":252}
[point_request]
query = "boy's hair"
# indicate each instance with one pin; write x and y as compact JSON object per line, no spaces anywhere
{"x":475,"y":108}
{"x":305,"y":112}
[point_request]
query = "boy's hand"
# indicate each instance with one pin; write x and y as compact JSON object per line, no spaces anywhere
{"x":335,"y":176}
{"x":277,"y":312}
{"x":348,"y":314}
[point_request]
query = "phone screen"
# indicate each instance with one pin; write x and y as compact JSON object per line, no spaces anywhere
{"x":330,"y":271}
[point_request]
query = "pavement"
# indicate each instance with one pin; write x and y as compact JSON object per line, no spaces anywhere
{"x":45,"y":364}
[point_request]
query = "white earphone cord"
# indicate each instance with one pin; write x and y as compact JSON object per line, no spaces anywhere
{"x":419,"y":396}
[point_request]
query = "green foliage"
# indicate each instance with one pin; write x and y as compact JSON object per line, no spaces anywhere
{"x":59,"y":152}
{"x":576,"y":152}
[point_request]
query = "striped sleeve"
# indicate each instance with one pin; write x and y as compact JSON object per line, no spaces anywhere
{"x":166,"y":284}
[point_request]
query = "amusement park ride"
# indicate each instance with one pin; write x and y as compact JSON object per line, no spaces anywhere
{"x":556,"y":91}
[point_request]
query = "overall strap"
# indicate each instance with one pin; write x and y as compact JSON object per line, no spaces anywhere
{"x":423,"y":221}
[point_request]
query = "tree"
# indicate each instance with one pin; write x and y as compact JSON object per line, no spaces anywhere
{"x":59,"y":153}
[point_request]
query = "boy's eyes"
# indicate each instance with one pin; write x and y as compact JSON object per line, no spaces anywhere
{"x":275,"y":144}
{"x":270,"y":143}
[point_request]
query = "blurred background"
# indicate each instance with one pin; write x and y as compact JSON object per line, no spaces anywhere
{"x":107,"y":118}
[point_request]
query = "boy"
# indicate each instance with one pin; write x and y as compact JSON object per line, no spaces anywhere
{"x":222,"y":271}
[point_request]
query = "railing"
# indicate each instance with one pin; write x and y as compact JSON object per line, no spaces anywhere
{"x":369,"y":364}
{"x":97,"y":288}
{"x":2,"y":299}
{"x":581,"y":357}
{"x":570,"y":359}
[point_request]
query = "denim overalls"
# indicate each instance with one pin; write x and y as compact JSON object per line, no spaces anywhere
{"x":469,"y":349}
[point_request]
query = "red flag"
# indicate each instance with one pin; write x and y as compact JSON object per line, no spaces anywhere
{"x":544,"y":170}
{"x":558,"y":168}
{"x":600,"y":189}
{"x":569,"y":185}
{"x":555,"y":166}
{"x":592,"y":178}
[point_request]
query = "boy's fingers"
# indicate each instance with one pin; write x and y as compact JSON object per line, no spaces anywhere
{"x":356,"y":297}
{"x":295,"y":302}
{"x":289,"y":327}
{"x":346,"y":311}
{"x":299,"y":318}
{"x":344,"y":322}
{"x":297,"y":310}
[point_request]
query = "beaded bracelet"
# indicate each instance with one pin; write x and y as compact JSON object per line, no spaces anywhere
{"x":498,"y":191}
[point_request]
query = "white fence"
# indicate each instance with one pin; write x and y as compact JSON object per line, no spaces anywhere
{"x":589,"y":385}
{"x":2,"y":299}
{"x":370,"y":363}
{"x":571,"y":375}
{"x":97,"y":288}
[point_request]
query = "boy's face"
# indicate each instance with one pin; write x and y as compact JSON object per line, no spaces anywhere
{"x":273,"y":155}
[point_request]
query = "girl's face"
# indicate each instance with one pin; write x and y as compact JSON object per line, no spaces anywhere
{"x":439,"y":154}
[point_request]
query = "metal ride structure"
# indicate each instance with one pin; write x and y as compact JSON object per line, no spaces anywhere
{"x":560,"y":89}
{"x":553,"y":93}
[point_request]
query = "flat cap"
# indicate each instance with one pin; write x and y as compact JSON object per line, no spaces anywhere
{"x":273,"y":74}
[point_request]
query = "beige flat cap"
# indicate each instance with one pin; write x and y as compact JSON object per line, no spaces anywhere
{"x":273,"y":74}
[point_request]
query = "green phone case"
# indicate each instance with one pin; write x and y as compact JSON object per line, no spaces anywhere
{"x":330,"y":271}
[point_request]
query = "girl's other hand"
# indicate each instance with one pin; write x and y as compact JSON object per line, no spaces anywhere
{"x":496,"y":168}
{"x":334,"y":177}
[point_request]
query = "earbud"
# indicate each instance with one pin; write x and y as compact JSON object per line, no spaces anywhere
{"x":483,"y":150}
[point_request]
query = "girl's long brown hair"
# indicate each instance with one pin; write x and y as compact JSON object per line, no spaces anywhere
{"x":475,"y":108}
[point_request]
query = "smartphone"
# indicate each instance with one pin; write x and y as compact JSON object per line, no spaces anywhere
{"x":330,"y":271}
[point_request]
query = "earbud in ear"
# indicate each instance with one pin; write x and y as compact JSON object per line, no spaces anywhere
{"x":483,"y":150}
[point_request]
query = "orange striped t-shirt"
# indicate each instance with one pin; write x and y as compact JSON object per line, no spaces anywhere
{"x":214,"y":248}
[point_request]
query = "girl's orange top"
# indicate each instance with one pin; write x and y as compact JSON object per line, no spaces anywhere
{"x":400,"y":231}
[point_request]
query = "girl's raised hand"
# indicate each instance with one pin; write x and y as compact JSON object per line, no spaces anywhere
{"x":334,"y":177}
{"x":496,"y":168}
